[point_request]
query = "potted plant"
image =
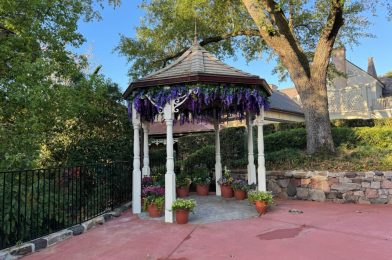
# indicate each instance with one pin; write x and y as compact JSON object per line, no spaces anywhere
{"x":202,"y":181}
{"x":261,"y":199}
{"x":225,"y":184}
{"x":155,"y":206}
{"x":154,"y":197}
{"x":182,"y":207}
{"x":241,"y":188}
{"x":146,"y":182}
{"x":182,"y":184}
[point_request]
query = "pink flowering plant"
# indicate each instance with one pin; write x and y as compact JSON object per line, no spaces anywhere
{"x":153,"y":194}
{"x":147,"y":181}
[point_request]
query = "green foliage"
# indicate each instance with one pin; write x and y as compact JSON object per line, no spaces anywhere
{"x":185,"y":204}
{"x":293,"y":138}
{"x":190,"y":143}
{"x":201,"y":176}
{"x":226,"y":26}
{"x":358,"y":148}
{"x":388,"y":74}
{"x":183,"y":181}
{"x":158,"y":201}
{"x":240,"y":184}
{"x":52,"y":112}
{"x":157,"y":156}
{"x":204,"y":157}
{"x":226,"y":178}
{"x":260,"y":196}
{"x":54,"y":199}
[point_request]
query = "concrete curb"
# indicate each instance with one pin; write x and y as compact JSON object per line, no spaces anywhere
{"x":37,"y":244}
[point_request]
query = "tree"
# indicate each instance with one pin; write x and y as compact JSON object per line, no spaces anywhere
{"x":388,"y":74}
{"x":42,"y":81}
{"x":300,"y":34}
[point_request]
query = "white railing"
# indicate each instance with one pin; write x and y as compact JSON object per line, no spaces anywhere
{"x":383,"y":103}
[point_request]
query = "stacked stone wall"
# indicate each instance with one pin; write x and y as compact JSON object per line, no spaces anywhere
{"x":373,"y":187}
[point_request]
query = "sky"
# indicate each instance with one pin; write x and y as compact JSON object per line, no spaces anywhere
{"x":103,"y":36}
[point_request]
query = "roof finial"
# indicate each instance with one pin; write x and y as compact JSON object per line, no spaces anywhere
{"x":195,"y":37}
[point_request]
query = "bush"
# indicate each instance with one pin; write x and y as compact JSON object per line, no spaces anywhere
{"x":204,"y":157}
{"x":294,"y":139}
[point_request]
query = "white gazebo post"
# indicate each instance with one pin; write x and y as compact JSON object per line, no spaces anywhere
{"x":146,"y":158}
{"x":261,"y":175}
{"x":251,"y":157}
{"x":170,"y":177}
{"x":218,"y":163}
{"x":136,"y":175}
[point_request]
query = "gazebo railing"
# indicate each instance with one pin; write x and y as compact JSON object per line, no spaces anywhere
{"x":34,"y":203}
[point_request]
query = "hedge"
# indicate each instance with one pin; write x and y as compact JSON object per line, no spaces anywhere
{"x":296,"y":138}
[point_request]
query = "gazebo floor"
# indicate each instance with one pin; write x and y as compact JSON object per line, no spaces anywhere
{"x":212,"y":208}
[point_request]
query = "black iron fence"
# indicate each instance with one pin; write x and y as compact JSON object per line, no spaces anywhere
{"x":38,"y":202}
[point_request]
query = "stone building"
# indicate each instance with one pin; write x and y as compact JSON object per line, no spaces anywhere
{"x":355,"y":93}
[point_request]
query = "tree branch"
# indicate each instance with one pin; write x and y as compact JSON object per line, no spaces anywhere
{"x":209,"y":40}
{"x":328,"y":36}
{"x":282,"y":41}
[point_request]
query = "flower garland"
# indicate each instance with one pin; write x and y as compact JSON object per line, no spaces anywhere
{"x":204,"y":101}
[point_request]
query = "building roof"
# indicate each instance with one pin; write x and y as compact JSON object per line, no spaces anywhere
{"x":282,"y":102}
{"x":197,"y":65}
{"x":290,"y":92}
{"x":186,"y":128}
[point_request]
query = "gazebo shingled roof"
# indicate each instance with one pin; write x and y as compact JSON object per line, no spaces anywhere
{"x":197,"y":65}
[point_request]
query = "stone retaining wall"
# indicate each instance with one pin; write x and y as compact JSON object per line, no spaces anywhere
{"x":373,"y":187}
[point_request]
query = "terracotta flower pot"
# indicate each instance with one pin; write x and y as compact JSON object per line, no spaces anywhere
{"x":227,"y":191}
{"x":261,"y":207}
{"x":239,"y":194}
{"x":154,"y":211}
{"x":183,"y":192}
{"x":182,"y":216}
{"x":202,"y":190}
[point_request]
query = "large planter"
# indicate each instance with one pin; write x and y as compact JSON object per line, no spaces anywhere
{"x":227,"y":191}
{"x":183,"y":192}
{"x":240,"y":194}
{"x":202,"y":189}
{"x":182,"y":216}
{"x":261,"y":207}
{"x":154,"y":211}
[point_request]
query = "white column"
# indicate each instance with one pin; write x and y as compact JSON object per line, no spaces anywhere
{"x":251,"y":157}
{"x":261,"y":176}
{"x":170,"y":177}
{"x":136,"y":175}
{"x":146,"y":158}
{"x":218,"y":163}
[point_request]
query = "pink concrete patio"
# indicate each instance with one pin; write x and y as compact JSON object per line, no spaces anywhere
{"x":323,"y":231}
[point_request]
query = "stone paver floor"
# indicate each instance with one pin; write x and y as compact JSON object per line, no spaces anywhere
{"x":322,"y":231}
{"x":212,"y":209}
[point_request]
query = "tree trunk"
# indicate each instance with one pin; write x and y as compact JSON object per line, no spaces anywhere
{"x":318,"y":127}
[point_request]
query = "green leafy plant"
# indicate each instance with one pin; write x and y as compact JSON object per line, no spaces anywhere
{"x":183,"y":181}
{"x":240,"y":184}
{"x":226,"y":179}
{"x":261,"y":196}
{"x":185,"y":204}
{"x":202,"y":177}
{"x":158,"y":201}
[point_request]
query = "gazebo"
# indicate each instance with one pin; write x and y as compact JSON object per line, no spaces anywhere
{"x":197,"y":86}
